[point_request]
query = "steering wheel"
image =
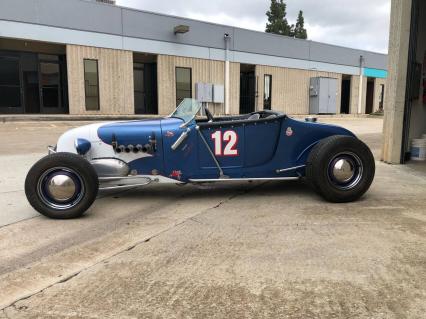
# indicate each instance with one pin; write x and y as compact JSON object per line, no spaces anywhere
{"x":209,"y":115}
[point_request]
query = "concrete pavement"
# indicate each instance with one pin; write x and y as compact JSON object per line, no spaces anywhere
{"x":250,"y":250}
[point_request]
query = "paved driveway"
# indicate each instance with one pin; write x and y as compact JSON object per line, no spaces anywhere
{"x":254,"y":250}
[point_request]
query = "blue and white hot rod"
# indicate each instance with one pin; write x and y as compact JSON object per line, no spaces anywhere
{"x":186,"y":148}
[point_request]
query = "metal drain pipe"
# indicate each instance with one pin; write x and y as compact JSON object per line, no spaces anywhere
{"x":227,"y":38}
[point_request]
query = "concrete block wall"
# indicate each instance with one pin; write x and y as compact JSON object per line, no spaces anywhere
{"x":290,"y":88}
{"x":115,"y":67}
{"x":207,"y":71}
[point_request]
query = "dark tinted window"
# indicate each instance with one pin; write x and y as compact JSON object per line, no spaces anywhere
{"x":10,"y":96}
{"x":10,"y":89}
{"x":48,"y":57}
{"x":50,"y":81}
{"x":91,"y":84}
{"x":183,"y":84}
{"x":9,"y":71}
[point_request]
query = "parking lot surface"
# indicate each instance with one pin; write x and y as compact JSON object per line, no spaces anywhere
{"x":246,"y":250}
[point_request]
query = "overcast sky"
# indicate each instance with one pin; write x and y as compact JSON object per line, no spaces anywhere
{"x":362,"y":24}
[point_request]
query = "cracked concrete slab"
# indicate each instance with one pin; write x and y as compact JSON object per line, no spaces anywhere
{"x":291,"y":255}
{"x":273,"y":250}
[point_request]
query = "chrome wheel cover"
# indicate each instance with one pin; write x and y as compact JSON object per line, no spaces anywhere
{"x":345,"y":170}
{"x":60,"y":188}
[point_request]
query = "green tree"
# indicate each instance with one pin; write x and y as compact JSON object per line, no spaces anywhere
{"x":277,"y":21}
{"x":299,"y":30}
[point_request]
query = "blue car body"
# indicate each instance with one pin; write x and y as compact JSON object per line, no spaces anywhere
{"x":271,"y":147}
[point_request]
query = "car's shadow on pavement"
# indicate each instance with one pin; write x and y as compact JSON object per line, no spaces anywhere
{"x":219,"y":189}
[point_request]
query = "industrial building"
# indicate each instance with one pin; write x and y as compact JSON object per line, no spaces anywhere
{"x":85,"y":57}
{"x":405,"y":116}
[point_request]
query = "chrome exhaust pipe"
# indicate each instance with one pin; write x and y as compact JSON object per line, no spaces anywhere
{"x":120,"y":149}
{"x":129,"y":148}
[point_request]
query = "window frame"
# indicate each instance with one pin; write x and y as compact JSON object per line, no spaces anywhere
{"x":190,"y":82}
{"x":97,"y":82}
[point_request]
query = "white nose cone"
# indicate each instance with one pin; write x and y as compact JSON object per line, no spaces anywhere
{"x":98,"y":149}
{"x":67,"y":140}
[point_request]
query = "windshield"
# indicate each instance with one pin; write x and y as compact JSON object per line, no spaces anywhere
{"x":187,"y":110}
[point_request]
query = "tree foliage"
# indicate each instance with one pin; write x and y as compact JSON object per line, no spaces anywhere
{"x":278,"y":23}
{"x":299,"y":30}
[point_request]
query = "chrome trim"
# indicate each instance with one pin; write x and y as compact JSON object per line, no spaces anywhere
{"x":290,"y":169}
{"x":112,"y":183}
{"x":51,"y":149}
{"x":118,"y":187}
{"x":243,"y":179}
{"x":181,"y":139}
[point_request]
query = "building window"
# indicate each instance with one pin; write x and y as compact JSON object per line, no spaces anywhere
{"x":267,"y":99}
{"x":91,"y":85}
{"x":183,"y":84}
{"x":10,"y":83}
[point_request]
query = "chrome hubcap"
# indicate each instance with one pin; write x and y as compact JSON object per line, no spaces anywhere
{"x":61,"y":187}
{"x":345,"y":171}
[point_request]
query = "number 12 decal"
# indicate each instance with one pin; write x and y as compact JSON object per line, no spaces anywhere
{"x":231,"y":140}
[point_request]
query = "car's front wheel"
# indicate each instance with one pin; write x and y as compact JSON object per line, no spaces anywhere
{"x":61,"y":186}
{"x":340,"y":168}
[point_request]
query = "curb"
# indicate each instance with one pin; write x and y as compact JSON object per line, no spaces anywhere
{"x":72,"y":118}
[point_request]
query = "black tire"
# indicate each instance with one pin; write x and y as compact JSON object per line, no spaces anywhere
{"x":84,"y":193}
{"x":324,"y":157}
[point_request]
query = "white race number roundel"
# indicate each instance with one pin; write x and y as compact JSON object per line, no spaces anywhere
{"x":229,"y":139}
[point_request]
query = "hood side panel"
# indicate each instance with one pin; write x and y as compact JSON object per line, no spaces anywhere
{"x":134,"y":133}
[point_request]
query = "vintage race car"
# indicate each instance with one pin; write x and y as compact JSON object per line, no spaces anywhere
{"x":186,"y":148}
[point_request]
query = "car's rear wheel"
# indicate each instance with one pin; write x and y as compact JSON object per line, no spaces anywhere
{"x":61,"y":186}
{"x":340,"y":168}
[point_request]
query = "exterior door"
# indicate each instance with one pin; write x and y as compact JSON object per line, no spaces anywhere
{"x":139,"y":87}
{"x":370,"y":98}
{"x":50,"y":87}
{"x":247,"y":92}
{"x":145,"y":88}
{"x":261,"y":138}
{"x":10,"y":85}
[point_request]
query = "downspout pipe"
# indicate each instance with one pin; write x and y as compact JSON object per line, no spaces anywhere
{"x":227,"y":38}
{"x":361,"y":83}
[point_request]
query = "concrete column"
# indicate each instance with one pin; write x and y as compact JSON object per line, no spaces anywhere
{"x":397,"y":80}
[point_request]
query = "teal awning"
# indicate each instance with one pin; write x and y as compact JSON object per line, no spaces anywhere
{"x":375,"y":73}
